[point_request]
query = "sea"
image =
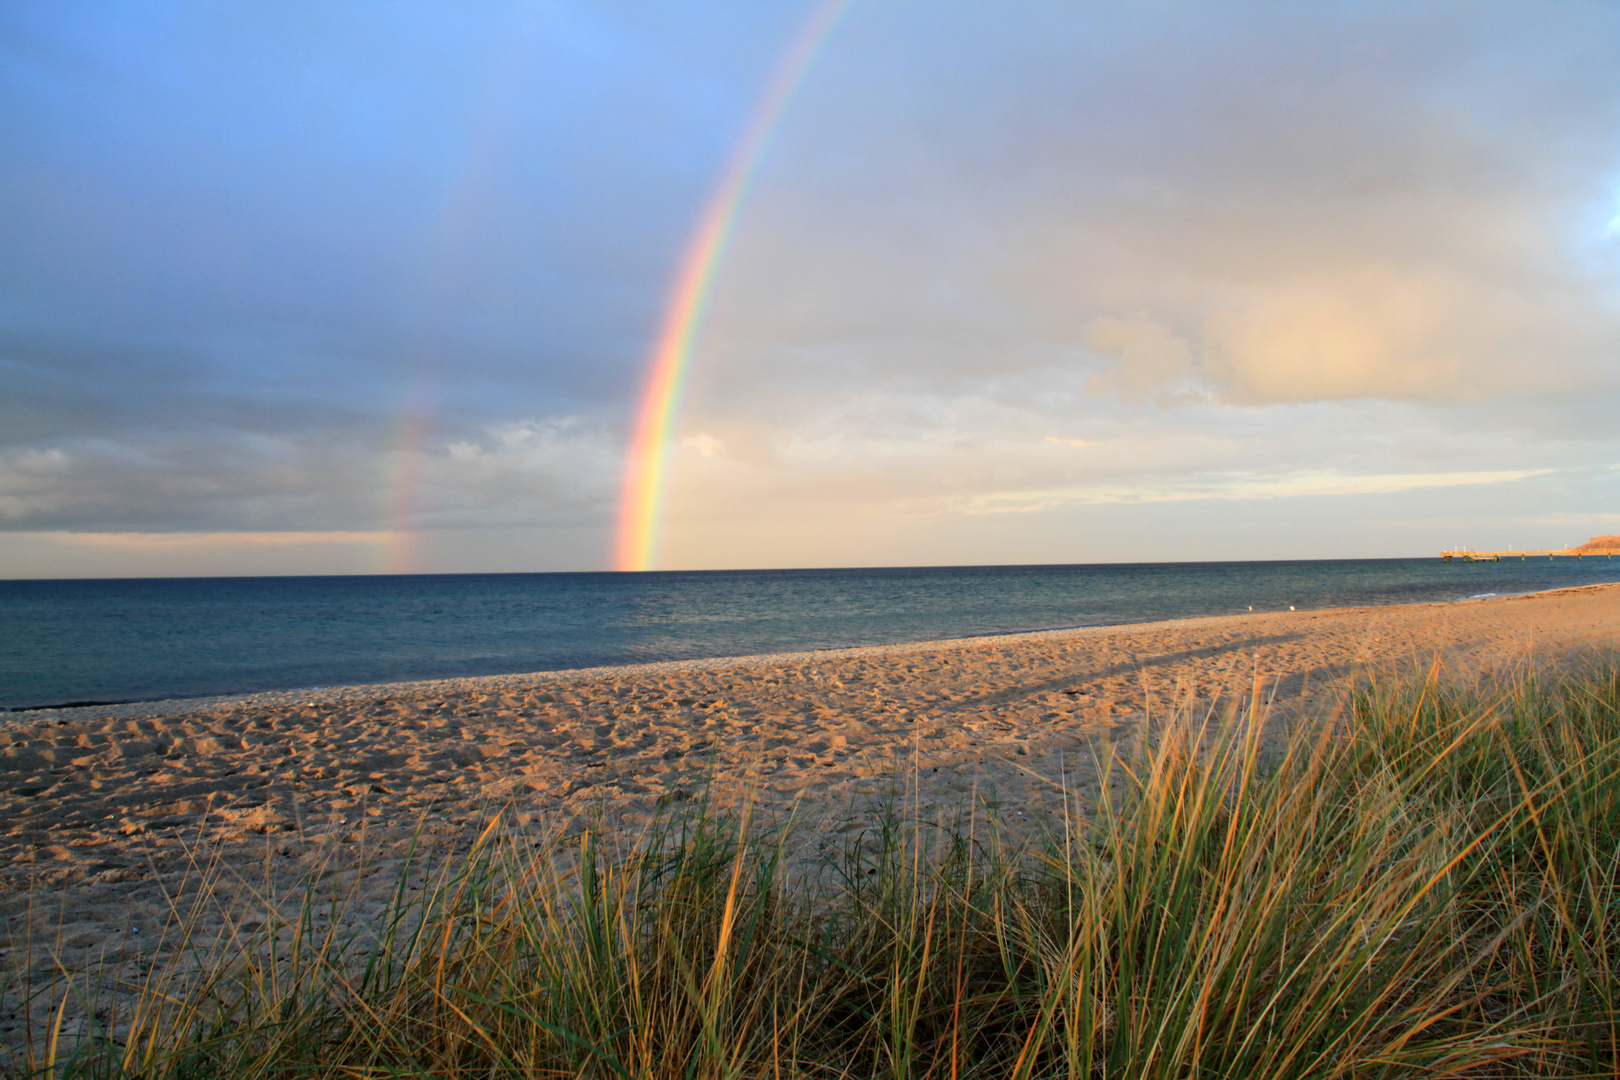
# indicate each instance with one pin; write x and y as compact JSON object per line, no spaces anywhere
{"x":103,"y":641}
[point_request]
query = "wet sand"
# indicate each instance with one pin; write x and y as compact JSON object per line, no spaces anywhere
{"x":107,"y":813}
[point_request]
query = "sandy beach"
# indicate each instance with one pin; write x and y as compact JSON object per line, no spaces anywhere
{"x":111,"y":812}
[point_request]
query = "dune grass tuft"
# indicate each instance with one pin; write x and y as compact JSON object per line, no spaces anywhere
{"x":1429,"y":886}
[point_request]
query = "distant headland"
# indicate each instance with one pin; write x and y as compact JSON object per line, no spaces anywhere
{"x":1600,"y":545}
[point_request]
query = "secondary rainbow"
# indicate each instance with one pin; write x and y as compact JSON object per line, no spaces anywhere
{"x":642,"y":496}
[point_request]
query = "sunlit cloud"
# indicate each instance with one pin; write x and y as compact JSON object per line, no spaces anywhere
{"x":1292,"y":485}
{"x":705,"y":444}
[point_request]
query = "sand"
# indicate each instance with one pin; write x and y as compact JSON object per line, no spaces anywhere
{"x":107,"y":813}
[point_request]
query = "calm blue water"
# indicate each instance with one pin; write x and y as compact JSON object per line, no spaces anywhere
{"x":76,"y":641}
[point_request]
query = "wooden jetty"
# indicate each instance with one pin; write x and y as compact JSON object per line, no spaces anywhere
{"x":1470,"y":555}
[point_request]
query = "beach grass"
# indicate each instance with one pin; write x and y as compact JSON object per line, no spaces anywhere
{"x":1426,"y":884}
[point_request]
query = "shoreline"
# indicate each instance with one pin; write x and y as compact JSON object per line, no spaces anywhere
{"x":111,"y":813}
{"x":12,"y":719}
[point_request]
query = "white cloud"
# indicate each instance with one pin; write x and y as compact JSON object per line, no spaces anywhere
{"x":704,"y":444}
{"x":1239,"y":486}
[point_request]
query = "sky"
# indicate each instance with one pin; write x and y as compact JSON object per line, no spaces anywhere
{"x":375,"y":287}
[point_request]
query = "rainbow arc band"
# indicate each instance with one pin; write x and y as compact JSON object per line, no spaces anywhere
{"x":641,"y":499}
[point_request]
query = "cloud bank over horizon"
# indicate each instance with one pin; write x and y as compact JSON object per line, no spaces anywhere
{"x":1030,"y":284}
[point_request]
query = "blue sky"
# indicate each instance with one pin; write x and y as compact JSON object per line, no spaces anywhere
{"x":342,"y":288}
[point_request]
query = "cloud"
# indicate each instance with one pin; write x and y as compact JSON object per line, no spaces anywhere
{"x":557,"y":471}
{"x":704,"y":444}
{"x":1219,"y":486}
{"x":1282,"y":208}
{"x":169,"y":541}
{"x":190,"y":481}
{"x":560,"y":470}
{"x":1254,"y":254}
{"x":1075,"y":261}
{"x":1149,"y":356}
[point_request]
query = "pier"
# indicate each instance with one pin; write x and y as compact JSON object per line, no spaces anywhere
{"x":1469,"y":555}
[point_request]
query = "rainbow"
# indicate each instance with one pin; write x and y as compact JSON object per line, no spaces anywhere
{"x":641,"y":498}
{"x":445,"y":255}
{"x":397,"y":553}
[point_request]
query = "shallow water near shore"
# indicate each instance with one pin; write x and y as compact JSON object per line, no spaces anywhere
{"x":125,"y":640}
